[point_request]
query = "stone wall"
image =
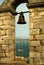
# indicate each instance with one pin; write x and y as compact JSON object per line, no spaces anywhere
{"x":34,"y":1}
{"x":7,"y":37}
{"x":36,"y":24}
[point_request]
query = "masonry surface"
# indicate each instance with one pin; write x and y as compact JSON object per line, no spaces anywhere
{"x":7,"y":35}
{"x":36,"y":35}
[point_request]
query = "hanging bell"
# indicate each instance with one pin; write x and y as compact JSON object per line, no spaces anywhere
{"x":21,"y":19}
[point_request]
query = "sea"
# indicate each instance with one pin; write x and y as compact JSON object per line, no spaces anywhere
{"x":22,"y":47}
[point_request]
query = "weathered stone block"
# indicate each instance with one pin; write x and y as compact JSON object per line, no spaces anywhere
{"x":2,"y":32}
{"x":4,"y":40}
{"x":42,"y":48}
{"x":41,"y":13}
{"x":7,"y":60}
{"x":40,"y":37}
{"x":34,"y":43}
{"x":31,"y":37}
{"x":5,"y":17}
{"x":42,"y":61}
{"x":31,"y":60}
{"x":32,"y":14}
{"x":7,"y":31}
{"x":37,"y":25}
{"x":34,"y":31}
{"x":42,"y":42}
{"x":36,"y":60}
{"x":1,"y":22}
{"x":34,"y":54}
{"x":5,"y":27}
{"x":34,"y":20}
{"x":12,"y":27}
{"x":6,"y":22}
{"x":41,"y":25}
{"x":42,"y":31}
{"x":5,"y":47}
{"x":42,"y":55}
{"x":2,"y":54}
{"x":12,"y":23}
{"x":7,"y":54}
{"x":31,"y":25}
{"x":35,"y":48}
{"x":10,"y":32}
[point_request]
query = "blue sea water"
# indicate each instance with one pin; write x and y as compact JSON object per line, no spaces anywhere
{"x":22,"y":48}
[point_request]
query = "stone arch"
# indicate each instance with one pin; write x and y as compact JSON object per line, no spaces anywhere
{"x":26,"y":29}
{"x":7,"y":9}
{"x":17,"y":2}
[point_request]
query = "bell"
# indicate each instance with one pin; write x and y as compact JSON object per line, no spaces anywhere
{"x":21,"y":19}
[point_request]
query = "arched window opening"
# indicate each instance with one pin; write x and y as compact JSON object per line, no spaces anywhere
{"x":22,"y":33}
